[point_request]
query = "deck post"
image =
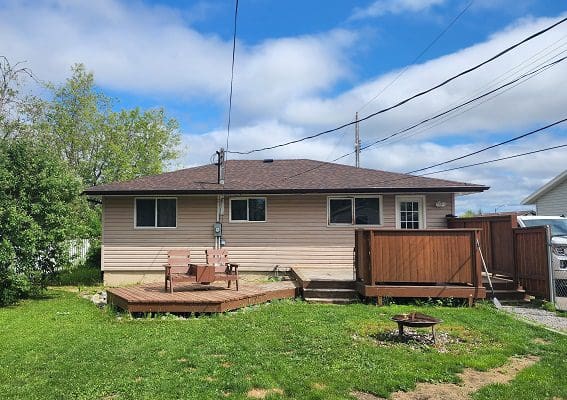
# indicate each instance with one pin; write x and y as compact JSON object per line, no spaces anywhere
{"x":477,"y":271}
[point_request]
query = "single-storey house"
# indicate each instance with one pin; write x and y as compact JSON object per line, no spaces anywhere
{"x":551,"y":198}
{"x":269,"y":214}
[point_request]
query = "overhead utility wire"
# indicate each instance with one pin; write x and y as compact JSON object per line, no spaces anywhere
{"x":496,"y":159}
{"x":454,"y":115}
{"x":527,"y":76}
{"x":493,"y":83}
{"x":231,"y":74}
{"x":407,"y":175}
{"x":430,"y":45}
{"x":491,"y":146}
{"x":422,"y":93}
{"x":399,"y":75}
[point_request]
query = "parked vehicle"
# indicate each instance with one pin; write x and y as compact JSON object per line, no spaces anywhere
{"x":558,"y":252}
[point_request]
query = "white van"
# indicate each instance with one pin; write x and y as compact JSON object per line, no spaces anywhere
{"x":558,"y":247}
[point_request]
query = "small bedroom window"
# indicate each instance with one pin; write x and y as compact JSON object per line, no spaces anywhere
{"x":156,"y":213}
{"x":249,"y":209}
{"x":358,"y":210}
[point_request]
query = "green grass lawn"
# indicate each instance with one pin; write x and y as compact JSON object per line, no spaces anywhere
{"x":63,"y":347}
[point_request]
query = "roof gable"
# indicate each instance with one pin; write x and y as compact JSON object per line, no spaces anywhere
{"x":281,"y":176}
{"x":552,"y":184}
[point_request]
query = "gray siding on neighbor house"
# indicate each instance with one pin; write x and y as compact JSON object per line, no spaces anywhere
{"x":553,"y":202}
{"x":295,"y":233}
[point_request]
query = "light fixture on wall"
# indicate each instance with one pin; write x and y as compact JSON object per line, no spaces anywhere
{"x":440,"y":204}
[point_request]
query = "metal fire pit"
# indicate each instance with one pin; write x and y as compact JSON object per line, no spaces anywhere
{"x":416,"y":320}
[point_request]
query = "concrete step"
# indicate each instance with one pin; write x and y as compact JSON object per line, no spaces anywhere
{"x":329,"y":284}
{"x":330,"y":293}
{"x":318,"y":300}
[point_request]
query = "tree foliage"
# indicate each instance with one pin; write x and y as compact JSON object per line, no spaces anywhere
{"x":50,"y":150}
{"x":39,"y":210}
{"x":103,"y":145}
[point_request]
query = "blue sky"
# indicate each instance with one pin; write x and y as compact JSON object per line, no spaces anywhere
{"x":305,"y":66}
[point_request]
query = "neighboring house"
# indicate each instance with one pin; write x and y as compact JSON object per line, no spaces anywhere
{"x":277,"y":214}
{"x":551,"y":198}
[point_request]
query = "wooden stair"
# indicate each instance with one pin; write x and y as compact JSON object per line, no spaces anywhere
{"x":327,"y":290}
{"x":505,"y":290}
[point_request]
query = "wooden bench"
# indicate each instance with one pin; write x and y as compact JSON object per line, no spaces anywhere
{"x":224,"y":270}
{"x":180,"y":269}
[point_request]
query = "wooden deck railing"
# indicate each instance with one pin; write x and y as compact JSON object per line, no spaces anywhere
{"x":418,"y":257}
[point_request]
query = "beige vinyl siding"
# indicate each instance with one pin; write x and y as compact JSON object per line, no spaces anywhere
{"x":295,"y":233}
{"x":554,"y":202}
{"x":436,"y":217}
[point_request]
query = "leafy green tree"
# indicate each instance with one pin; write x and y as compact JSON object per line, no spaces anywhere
{"x":40,"y":207}
{"x":18,"y":113}
{"x":103,"y":145}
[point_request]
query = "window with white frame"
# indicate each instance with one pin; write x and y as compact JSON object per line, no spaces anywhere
{"x":357,"y":210}
{"x":248,"y":209}
{"x":410,"y":212}
{"x":156,"y":213}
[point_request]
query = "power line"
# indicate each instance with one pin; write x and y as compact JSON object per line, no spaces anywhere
{"x":231,"y":74}
{"x":430,"y":45}
{"x":399,"y":75}
{"x":517,"y":82}
{"x":422,"y":93}
{"x":450,"y":117}
{"x":526,"y":75}
{"x":497,"y":159}
{"x":491,"y":146}
{"x":491,"y":84}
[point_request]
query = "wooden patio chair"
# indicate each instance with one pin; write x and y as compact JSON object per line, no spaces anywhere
{"x":178,"y":267}
{"x":224,"y":271}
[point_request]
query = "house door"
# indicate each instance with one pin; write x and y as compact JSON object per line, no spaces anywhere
{"x":410,"y":212}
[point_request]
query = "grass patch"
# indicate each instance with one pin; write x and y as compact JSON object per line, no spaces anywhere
{"x":64,"y":347}
{"x":79,"y":275}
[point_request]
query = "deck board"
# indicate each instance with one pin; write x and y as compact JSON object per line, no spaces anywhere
{"x":197,"y":298}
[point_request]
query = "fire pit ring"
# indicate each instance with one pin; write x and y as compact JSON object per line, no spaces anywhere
{"x":416,"y":320}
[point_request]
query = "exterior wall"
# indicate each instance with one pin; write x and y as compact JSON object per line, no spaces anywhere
{"x":554,"y":202}
{"x":295,"y":233}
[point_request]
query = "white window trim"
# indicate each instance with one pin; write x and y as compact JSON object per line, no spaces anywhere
{"x":156,"y":216}
{"x":422,"y":213}
{"x":353,"y":223}
{"x":247,"y":220}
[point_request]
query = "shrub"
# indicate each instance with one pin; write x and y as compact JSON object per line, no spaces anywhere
{"x":40,"y":205}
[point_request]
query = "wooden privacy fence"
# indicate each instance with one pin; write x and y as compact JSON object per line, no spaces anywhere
{"x":418,"y":263}
{"x":520,"y":254}
{"x":531,"y":260}
{"x":496,"y":240}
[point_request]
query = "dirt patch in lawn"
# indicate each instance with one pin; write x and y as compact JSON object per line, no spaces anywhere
{"x":262,"y":393}
{"x":472,"y":381}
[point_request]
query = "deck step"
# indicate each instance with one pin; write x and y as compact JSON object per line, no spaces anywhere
{"x":511,"y":295}
{"x":328,"y":284}
{"x":318,"y":300}
{"x":330,"y":293}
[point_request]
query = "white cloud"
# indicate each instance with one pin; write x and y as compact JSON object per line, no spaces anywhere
{"x":142,"y":49}
{"x":282,"y":86}
{"x":382,"y":7}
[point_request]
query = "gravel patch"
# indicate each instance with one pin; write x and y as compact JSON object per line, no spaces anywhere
{"x":540,"y":316}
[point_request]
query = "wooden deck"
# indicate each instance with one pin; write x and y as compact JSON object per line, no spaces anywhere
{"x":191,"y":298}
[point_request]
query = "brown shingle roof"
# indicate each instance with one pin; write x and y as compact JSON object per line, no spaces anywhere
{"x":281,"y":176}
